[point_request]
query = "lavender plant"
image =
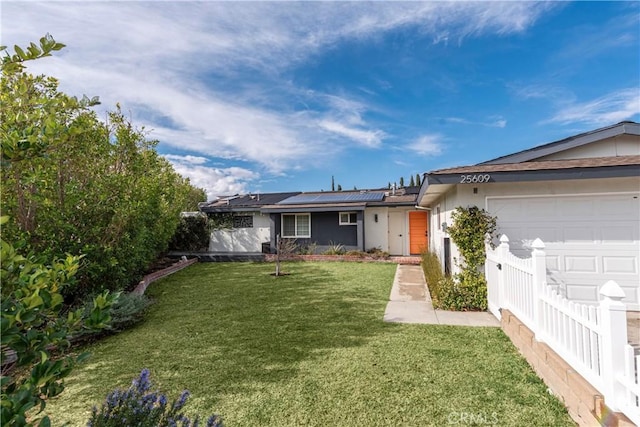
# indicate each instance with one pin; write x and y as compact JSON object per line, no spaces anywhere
{"x":141,"y":406}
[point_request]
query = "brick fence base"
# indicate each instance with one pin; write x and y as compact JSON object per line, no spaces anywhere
{"x":584,"y":403}
{"x":348,"y":258}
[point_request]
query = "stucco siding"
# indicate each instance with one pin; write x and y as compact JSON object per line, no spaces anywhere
{"x":376,"y":233}
{"x":326,"y":229}
{"x":622,"y":145}
{"x":247,"y":239}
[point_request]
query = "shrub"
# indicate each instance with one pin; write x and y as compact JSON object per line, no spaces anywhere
{"x":192,"y":234}
{"x":470,"y":225}
{"x":378,"y":253}
{"x":469,"y":291}
{"x":309,"y":249}
{"x":358,"y":254}
{"x":464,"y":293}
{"x":335,"y":249}
{"x":128,"y":310}
{"x":432,"y":268}
{"x":140,"y":406}
{"x":33,"y":326}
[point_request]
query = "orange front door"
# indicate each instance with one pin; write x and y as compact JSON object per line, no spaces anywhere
{"x":418,"y":232}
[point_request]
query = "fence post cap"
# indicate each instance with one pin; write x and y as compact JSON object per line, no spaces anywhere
{"x":504,"y":239}
{"x":537,"y":244}
{"x":612,"y":290}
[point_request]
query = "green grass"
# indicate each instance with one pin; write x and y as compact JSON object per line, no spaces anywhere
{"x":309,"y":349}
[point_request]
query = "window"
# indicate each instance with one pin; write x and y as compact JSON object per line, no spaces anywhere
{"x":243,"y":221}
{"x":348,"y":218}
{"x":296,"y":225}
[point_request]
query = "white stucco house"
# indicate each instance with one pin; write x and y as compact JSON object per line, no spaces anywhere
{"x":580,"y":195}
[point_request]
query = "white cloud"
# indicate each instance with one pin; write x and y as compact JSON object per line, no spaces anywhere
{"x":192,"y":160}
{"x":216,"y":181}
{"x":542,"y":91}
{"x":493,"y":121}
{"x":499,"y":123}
{"x":608,"y":109}
{"x":426,"y":145}
{"x":176,"y":66}
{"x":363,"y":137}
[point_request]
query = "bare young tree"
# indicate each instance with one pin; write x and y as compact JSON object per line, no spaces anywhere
{"x":284,"y":249}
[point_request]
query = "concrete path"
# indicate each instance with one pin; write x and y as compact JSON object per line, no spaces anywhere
{"x":410,"y":302}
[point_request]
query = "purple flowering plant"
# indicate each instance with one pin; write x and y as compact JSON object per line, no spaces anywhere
{"x":141,"y":406}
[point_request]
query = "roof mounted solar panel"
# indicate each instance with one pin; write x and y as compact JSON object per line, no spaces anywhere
{"x":311,"y":198}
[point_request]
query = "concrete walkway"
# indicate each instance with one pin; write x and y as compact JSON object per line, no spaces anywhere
{"x":410,"y":302}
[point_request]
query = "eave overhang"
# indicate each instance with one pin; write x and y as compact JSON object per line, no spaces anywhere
{"x":229,"y":209}
{"x":437,"y":184}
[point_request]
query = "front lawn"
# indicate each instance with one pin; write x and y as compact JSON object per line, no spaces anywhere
{"x":309,"y":349}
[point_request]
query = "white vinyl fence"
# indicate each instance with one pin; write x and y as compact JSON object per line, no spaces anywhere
{"x":592,"y":339}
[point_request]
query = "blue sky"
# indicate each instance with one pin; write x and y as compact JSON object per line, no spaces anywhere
{"x":280,"y":96}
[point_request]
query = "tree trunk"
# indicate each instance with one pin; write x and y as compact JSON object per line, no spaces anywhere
{"x":277,"y":255}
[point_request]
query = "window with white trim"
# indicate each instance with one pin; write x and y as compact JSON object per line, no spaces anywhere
{"x":296,"y":225}
{"x":348,"y":218}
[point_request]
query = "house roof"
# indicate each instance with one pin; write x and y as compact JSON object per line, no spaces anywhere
{"x":246,"y":202}
{"x":332,"y":197}
{"x":325,"y":201}
{"x":593,"y":162}
{"x":629,"y":128}
{"x":523,"y":166}
{"x":314,"y":207}
{"x":330,"y":201}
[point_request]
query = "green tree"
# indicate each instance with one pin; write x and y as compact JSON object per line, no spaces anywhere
{"x":339,"y":187}
{"x":412,"y":182}
{"x":333,"y":184}
{"x":401,"y":182}
{"x":31,"y":323}
{"x":77,"y":185}
{"x":418,"y":180}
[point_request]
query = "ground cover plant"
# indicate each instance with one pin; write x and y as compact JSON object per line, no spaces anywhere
{"x":309,"y":348}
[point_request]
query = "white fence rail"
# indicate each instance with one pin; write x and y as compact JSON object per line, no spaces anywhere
{"x":591,"y":339}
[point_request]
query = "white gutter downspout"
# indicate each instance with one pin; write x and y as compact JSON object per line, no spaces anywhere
{"x":422,"y":208}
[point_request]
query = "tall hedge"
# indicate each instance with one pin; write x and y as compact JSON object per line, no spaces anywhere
{"x":76,"y":184}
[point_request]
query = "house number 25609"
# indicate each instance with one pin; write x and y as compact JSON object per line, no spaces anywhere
{"x":474,"y":179}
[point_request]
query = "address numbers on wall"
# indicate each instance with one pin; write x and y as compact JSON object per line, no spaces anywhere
{"x":474,"y":179}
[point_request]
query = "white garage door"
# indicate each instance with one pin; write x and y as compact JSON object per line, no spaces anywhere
{"x":589,"y":239}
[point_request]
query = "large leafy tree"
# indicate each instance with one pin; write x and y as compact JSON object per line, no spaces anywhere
{"x":75,"y":184}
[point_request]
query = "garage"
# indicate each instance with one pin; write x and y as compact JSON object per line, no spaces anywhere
{"x":589,"y":239}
